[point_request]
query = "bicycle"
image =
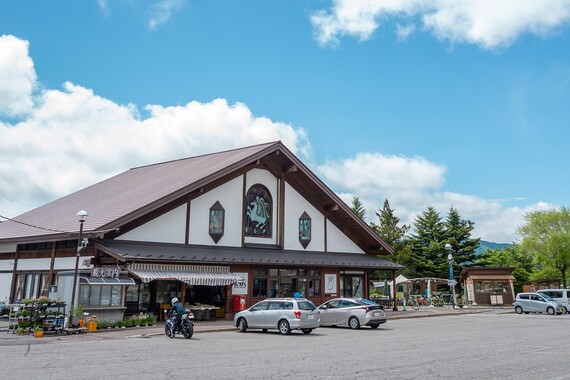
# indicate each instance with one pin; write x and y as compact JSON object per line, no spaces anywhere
{"x":418,"y":301}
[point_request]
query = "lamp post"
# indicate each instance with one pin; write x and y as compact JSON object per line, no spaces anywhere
{"x":81,"y":215}
{"x":449,"y":249}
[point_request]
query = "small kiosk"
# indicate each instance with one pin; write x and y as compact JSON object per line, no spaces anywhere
{"x":488,"y":285}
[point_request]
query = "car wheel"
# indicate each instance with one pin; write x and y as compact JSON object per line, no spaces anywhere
{"x":374,"y":325}
{"x":284,"y":328}
{"x":306,"y":331}
{"x":354,"y":323}
{"x":550,"y":310}
{"x":519,"y":310}
{"x":242,"y":325}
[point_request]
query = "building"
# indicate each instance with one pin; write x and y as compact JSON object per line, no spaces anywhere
{"x":224,"y":229}
{"x":488,"y":285}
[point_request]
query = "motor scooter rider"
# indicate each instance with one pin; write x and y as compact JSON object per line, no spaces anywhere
{"x":176,"y":312}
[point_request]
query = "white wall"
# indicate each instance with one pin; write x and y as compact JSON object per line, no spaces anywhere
{"x":167,"y":228}
{"x":5,"y":284}
{"x":267,"y":179}
{"x":7,"y":248}
{"x":295,"y":205}
{"x":338,"y":242}
{"x":7,"y":264}
{"x":33,"y":264}
{"x":230,"y":197}
{"x":62,"y":263}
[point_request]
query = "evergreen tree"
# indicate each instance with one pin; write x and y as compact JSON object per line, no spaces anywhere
{"x":427,"y":246}
{"x":458,"y":234}
{"x":393,"y":234}
{"x":358,"y":207}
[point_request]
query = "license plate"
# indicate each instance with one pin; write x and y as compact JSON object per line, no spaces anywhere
{"x":310,"y":316}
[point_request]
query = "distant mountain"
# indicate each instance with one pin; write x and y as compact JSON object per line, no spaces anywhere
{"x":484,"y":245}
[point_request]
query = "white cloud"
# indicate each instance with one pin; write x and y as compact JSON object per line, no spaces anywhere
{"x":71,"y":138}
{"x":161,"y":12}
{"x":17,"y":77}
{"x":489,"y":24}
{"x":403,"y":32}
{"x":411,"y":184}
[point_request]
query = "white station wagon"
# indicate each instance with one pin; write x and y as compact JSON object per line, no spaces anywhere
{"x":284,"y":314}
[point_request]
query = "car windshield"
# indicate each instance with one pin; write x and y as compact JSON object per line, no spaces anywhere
{"x":306,"y":305}
{"x":547,"y":297}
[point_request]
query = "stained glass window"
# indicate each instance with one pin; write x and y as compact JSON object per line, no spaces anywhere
{"x":305,"y":229}
{"x":216,"y":225}
{"x":259,"y":205}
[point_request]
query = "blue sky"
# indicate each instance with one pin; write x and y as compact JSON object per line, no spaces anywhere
{"x":452,"y":103}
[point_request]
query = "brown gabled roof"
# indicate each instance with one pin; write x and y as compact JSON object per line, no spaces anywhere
{"x":129,"y":196}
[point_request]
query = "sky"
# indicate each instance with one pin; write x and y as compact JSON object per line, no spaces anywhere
{"x":446,"y":103}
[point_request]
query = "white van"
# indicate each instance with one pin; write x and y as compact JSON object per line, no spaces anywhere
{"x":560,"y":295}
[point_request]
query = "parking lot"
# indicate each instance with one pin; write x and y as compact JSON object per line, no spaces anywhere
{"x":472,"y":346}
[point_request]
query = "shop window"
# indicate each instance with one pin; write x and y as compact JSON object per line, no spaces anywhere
{"x":304,"y":229}
{"x":286,"y":282}
{"x":259,"y":287}
{"x":216,"y":223}
{"x":351,"y":286}
{"x":100,"y":295}
{"x":258,"y":203}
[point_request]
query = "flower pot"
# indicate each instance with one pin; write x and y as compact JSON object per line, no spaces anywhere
{"x":38,"y":334}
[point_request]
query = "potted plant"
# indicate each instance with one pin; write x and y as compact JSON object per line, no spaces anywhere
{"x":21,"y":331}
{"x":38,"y":331}
{"x":79,"y":316}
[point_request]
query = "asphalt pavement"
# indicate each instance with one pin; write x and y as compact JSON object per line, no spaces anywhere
{"x":223,"y":325}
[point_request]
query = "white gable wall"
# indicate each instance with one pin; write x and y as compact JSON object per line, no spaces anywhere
{"x":267,"y":179}
{"x":167,"y":228}
{"x":295,"y":205}
{"x":338,"y":242}
{"x":230,"y":197}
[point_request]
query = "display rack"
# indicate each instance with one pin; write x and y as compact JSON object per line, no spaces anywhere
{"x":49,"y":316}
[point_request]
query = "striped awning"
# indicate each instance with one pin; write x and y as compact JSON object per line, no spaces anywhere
{"x":190,"y":274}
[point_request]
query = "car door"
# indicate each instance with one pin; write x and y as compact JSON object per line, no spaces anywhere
{"x":256,"y":315}
{"x":538,"y":304}
{"x":328,"y":312}
{"x":273,"y":314}
{"x":345,"y":311}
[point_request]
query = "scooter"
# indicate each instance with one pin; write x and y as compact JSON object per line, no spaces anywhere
{"x":186,"y":326}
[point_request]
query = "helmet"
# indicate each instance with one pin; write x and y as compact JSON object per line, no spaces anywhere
{"x":174,"y":300}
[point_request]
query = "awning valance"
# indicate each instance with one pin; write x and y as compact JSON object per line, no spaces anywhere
{"x":496,"y":277}
{"x":125,"y":281}
{"x":189,"y":274}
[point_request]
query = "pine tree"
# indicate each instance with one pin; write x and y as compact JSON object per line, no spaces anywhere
{"x":458,"y":234}
{"x":358,"y":207}
{"x":427,"y":246}
{"x":391,"y":233}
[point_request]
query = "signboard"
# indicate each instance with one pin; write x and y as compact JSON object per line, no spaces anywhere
{"x":240,"y":288}
{"x":105,"y":272}
{"x":451,"y":282}
{"x":330,"y":283}
{"x":470,"y":291}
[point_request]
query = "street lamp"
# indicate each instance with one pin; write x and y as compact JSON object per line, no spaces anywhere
{"x":81,"y":215}
{"x":449,"y":249}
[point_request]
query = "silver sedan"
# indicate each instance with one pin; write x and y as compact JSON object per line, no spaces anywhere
{"x":352,"y":312}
